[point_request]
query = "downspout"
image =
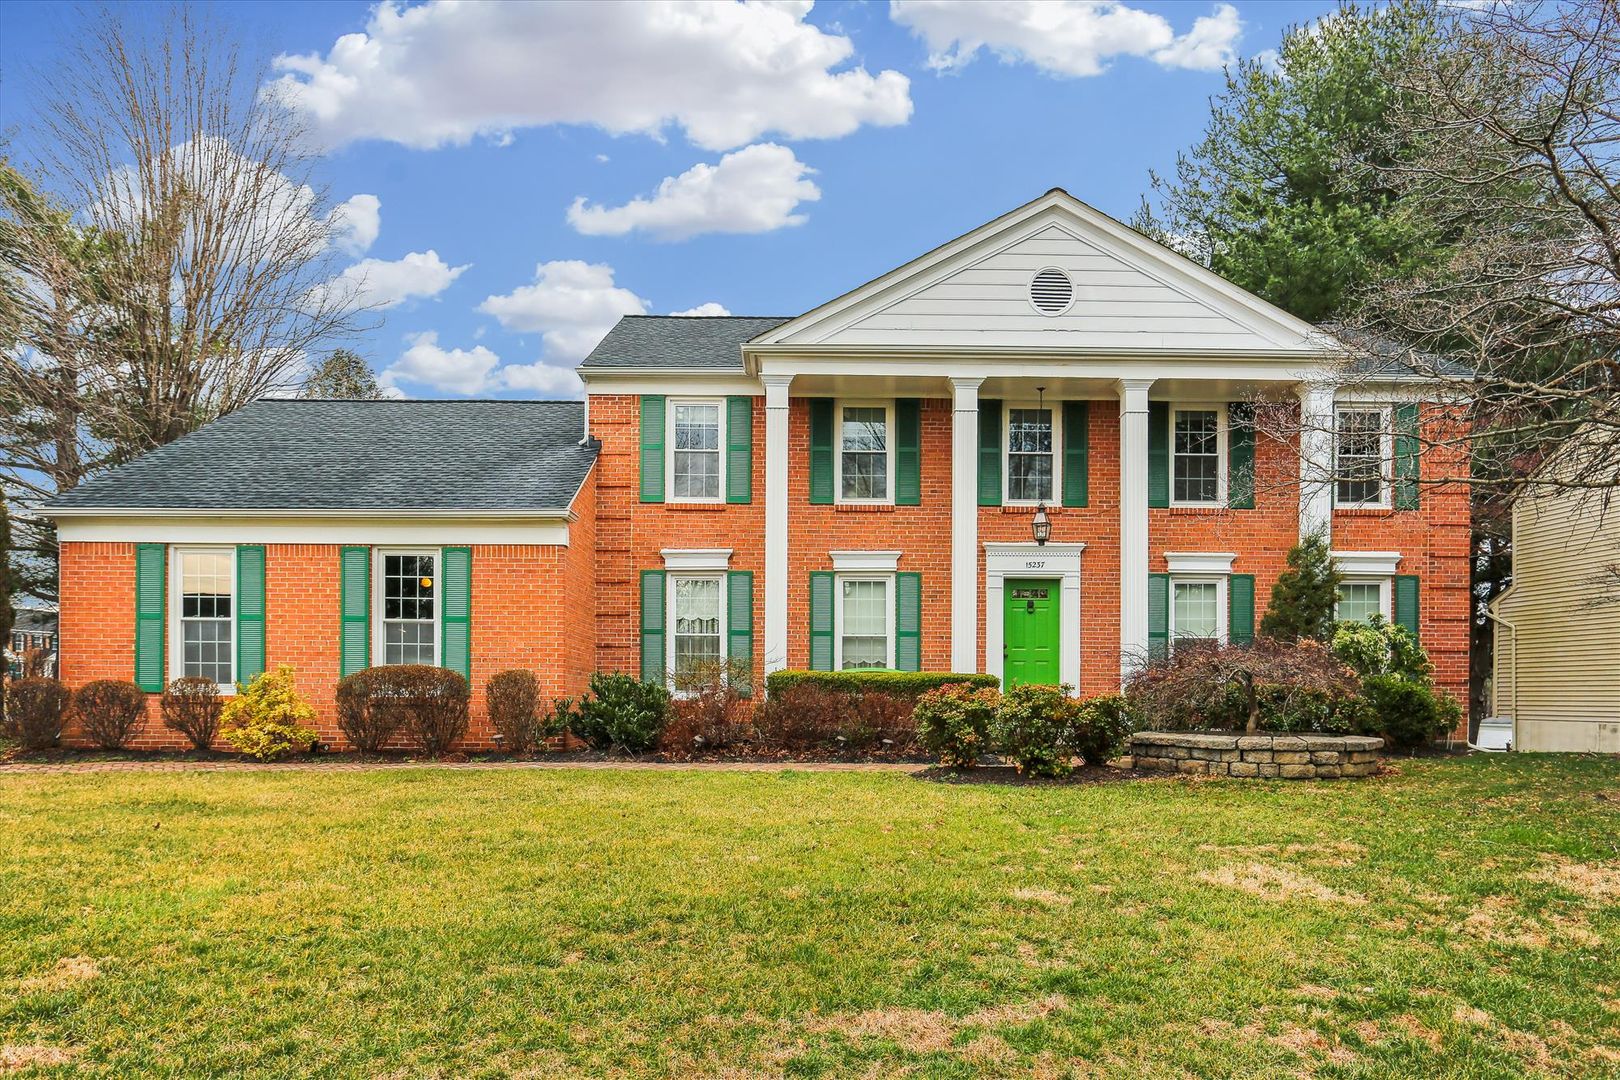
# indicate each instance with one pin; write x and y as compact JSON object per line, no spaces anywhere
{"x":1513,"y":668}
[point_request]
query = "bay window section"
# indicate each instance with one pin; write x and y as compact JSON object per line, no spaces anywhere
{"x":865,"y":630}
{"x":409,"y":607}
{"x":1361,"y":448}
{"x":206,"y":601}
{"x":1031,"y":456}
{"x":1195,"y":452}
{"x":864,"y":446}
{"x":694,"y":466}
{"x":698,"y":638}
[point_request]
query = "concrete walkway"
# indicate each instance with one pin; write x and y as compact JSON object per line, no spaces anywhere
{"x":335,"y":765}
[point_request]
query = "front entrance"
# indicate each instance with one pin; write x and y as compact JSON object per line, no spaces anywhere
{"x":1031,"y":625}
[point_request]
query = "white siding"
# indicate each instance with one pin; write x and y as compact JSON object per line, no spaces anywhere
{"x":1116,"y":304}
{"x":1567,"y":666}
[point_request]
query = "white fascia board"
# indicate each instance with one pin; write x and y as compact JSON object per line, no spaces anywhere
{"x":708,"y":383}
{"x":697,"y":558}
{"x":1366,"y":563}
{"x":869,"y":561}
{"x":978,"y":363}
{"x":379,"y":530}
{"x":1199,"y":562}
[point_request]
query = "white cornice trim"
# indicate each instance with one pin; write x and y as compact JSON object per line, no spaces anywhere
{"x":870,"y":561}
{"x":1199,"y":562}
{"x":219,"y":514}
{"x":369,"y":531}
{"x":1366,"y":563}
{"x":697,"y":558}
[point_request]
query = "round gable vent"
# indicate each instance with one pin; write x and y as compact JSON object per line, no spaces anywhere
{"x":1051,"y":291}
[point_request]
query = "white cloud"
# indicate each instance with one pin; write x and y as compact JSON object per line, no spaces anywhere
{"x":442,"y":72}
{"x":754,"y":190}
{"x":709,"y":310}
{"x":425,"y":363}
{"x":571,"y":304}
{"x":1065,"y":37}
{"x":356,"y":222}
{"x":380,"y":283}
{"x":541,"y":378}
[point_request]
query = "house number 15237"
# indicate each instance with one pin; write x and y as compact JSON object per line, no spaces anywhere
{"x":1034,"y":564}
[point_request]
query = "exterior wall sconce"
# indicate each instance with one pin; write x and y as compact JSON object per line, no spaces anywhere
{"x":1041,"y":527}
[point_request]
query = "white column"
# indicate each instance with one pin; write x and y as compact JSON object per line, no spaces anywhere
{"x":1133,"y":523}
{"x":965,"y":525}
{"x":1316,"y":459}
{"x":776,"y":520}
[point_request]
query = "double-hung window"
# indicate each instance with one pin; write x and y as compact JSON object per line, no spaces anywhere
{"x":1197,"y":612}
{"x":696,"y":460}
{"x":1197,"y":456}
{"x":1362,"y":450}
{"x":205,"y":614}
{"x":1031,"y":456}
{"x":408,"y":606}
{"x":865,"y":622}
{"x":1359,"y":601}
{"x":697,"y":608}
{"x":865,"y":453}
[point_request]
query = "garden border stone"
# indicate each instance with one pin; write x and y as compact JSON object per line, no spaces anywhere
{"x":1291,"y":756}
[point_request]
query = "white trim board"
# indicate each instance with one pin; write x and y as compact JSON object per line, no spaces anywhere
{"x":1059,"y":562}
{"x":369,"y":531}
{"x":1366,"y":563}
{"x":696,"y":559}
{"x":858,"y":562}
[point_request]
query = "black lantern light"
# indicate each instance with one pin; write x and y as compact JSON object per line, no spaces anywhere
{"x":1041,"y":527}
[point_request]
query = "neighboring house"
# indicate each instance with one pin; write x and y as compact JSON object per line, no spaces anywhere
{"x":1556,"y":665}
{"x":853,"y":487}
{"x":33,"y":637}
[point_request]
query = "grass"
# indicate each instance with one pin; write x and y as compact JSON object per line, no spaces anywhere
{"x":1461,"y":918}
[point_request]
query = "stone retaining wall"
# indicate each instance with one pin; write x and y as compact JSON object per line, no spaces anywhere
{"x":1289,"y":757}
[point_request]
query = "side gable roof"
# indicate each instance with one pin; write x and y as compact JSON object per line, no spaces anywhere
{"x":677,"y":342}
{"x":1129,"y":294}
{"x":521,"y":457}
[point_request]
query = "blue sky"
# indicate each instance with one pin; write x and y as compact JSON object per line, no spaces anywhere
{"x":859,"y":135}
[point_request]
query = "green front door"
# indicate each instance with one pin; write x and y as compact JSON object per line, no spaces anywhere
{"x":1030,"y":629}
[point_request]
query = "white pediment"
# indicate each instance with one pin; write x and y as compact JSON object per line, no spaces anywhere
{"x":1129,"y":294}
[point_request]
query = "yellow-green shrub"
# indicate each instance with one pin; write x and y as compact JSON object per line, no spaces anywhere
{"x":267,"y":719}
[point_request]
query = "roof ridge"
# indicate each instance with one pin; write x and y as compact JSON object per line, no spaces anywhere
{"x":708,"y":318}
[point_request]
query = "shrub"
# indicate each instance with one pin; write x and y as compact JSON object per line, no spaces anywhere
{"x":427,"y":703}
{"x":621,"y":712}
{"x":514,"y":710}
{"x":36,"y":709}
{"x":367,"y":720}
{"x":1265,"y":686}
{"x":267,"y":719}
{"x":1407,"y":713}
{"x":1381,"y":648}
{"x":1102,"y":727}
{"x":1306,"y":594}
{"x":710,"y":710}
{"x":811,"y":717}
{"x":905,"y":684}
{"x":111,"y":711}
{"x":192,"y":706}
{"x":954,"y":722}
{"x":1035,"y":727}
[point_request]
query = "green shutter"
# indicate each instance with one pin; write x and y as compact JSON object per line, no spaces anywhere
{"x":740,"y":620}
{"x":1240,"y":609}
{"x":739,"y":449}
{"x":151,"y":599}
{"x":249,"y":611}
{"x":652,"y":448}
{"x":908,"y":622}
{"x":1158,"y":453}
{"x":989,"y":453}
{"x":1240,"y":455}
{"x":455,"y":616}
{"x":821,"y":620}
{"x":907,"y":452}
{"x":1406,"y":602}
{"x":821,"y":451}
{"x":1158,"y":601}
{"x":354,"y":641}
{"x":1406,"y":456}
{"x":653,"y":597}
{"x":1076,"y":452}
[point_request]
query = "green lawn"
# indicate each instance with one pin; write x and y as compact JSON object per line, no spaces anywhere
{"x":1461,"y":918}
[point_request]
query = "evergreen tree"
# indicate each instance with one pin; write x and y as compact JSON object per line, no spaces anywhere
{"x":343,"y":374}
{"x":1304,"y":598}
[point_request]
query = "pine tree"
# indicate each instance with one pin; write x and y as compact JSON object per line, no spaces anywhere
{"x":1304,"y":598}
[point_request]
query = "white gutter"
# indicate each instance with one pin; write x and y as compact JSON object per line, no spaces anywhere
{"x":346,"y":513}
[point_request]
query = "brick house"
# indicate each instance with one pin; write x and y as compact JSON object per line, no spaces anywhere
{"x":854,"y":487}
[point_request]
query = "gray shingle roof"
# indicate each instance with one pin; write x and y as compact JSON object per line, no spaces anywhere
{"x":359,"y":455}
{"x":677,"y":341}
{"x":1376,"y":355}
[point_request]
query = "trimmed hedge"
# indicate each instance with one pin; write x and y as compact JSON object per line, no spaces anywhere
{"x":901,"y":684}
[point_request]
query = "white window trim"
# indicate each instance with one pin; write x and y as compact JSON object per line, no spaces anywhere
{"x":669,"y":616}
{"x":379,"y":647}
{"x":1193,"y":563}
{"x":1385,"y":599}
{"x":669,"y":448}
{"x":687,"y":560}
{"x":1366,"y":564}
{"x":845,"y":562}
{"x":1222,"y":434}
{"x":1386,"y":449}
{"x":1056,"y":409}
{"x":839,"y":404}
{"x":1222,"y":611}
{"x":177,"y":643}
{"x":838,"y":616}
